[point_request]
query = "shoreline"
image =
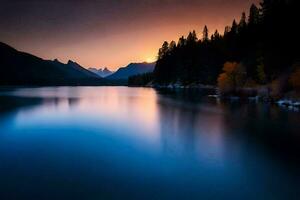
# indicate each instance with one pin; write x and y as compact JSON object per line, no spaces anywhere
{"x":261,"y":93}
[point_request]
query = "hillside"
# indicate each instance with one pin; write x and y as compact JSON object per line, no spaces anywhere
{"x":19,"y":68}
{"x":132,"y":69}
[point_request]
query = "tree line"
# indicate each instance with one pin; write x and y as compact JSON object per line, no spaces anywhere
{"x":261,"y":47}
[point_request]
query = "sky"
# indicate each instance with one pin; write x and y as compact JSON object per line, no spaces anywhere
{"x":109,"y":33}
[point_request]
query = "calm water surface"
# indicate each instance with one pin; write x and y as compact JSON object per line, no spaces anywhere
{"x":136,"y":143}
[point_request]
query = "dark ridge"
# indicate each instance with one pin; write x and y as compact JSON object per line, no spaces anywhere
{"x":23,"y":69}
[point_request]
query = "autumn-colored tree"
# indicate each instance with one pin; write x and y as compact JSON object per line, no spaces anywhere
{"x":229,"y":67}
{"x":233,"y":77}
{"x":225,"y":84}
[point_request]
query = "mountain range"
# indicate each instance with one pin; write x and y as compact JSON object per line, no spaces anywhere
{"x":101,"y":72}
{"x":19,"y":68}
{"x":23,"y":69}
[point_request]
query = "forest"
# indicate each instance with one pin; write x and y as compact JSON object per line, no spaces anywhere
{"x":259,"y":50}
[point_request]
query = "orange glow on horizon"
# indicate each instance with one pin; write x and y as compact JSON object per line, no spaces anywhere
{"x":150,"y":59}
{"x":115,"y":37}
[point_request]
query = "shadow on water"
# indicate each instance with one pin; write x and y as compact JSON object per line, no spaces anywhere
{"x":271,"y":127}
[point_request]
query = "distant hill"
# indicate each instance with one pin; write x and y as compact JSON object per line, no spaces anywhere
{"x":101,"y":72}
{"x":132,"y":69}
{"x":19,"y":68}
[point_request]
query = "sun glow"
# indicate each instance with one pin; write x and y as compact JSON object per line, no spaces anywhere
{"x":150,"y":59}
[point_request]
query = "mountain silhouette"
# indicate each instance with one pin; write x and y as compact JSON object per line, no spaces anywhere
{"x":19,"y":68}
{"x":132,"y":69}
{"x":101,"y":72}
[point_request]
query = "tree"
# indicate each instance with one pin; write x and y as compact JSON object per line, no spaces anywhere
{"x":227,"y":30}
{"x":225,"y":84}
{"x":254,"y":15}
{"x":181,"y":41}
{"x":163,"y":50}
{"x":172,"y":46}
{"x":240,"y":75}
{"x":234,"y":27}
{"x":267,"y":6}
{"x":215,"y":36}
{"x":192,"y":37}
{"x":243,"y":22}
{"x":205,"y":34}
{"x":233,"y":77}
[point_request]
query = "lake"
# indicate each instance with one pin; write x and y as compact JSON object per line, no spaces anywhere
{"x":140,"y":143}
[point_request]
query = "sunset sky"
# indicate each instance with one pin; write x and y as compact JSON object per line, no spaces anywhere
{"x":109,"y":33}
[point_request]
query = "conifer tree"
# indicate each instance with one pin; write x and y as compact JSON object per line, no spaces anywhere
{"x":243,"y":22}
{"x":192,"y":37}
{"x":254,"y":16}
{"x":205,"y":34}
{"x":234,"y":27}
{"x":181,"y":41}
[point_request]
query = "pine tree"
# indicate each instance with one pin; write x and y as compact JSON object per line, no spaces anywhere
{"x":192,"y":37}
{"x":216,"y":34}
{"x":254,"y":15}
{"x":266,"y":6}
{"x":243,"y":22}
{"x":234,"y":27}
{"x":181,"y":42}
{"x":205,"y":34}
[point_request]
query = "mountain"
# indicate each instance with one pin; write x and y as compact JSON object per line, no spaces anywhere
{"x":101,"y":72}
{"x":132,"y":69}
{"x":19,"y":68}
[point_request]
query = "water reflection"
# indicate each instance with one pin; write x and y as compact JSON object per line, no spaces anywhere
{"x":138,"y":143}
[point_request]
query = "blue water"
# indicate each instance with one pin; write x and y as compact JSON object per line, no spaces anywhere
{"x":138,"y":143}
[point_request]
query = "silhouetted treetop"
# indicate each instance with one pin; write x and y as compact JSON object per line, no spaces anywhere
{"x":254,"y":15}
{"x":163,"y":50}
{"x":192,"y":37}
{"x":205,"y":34}
{"x":181,"y":41}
